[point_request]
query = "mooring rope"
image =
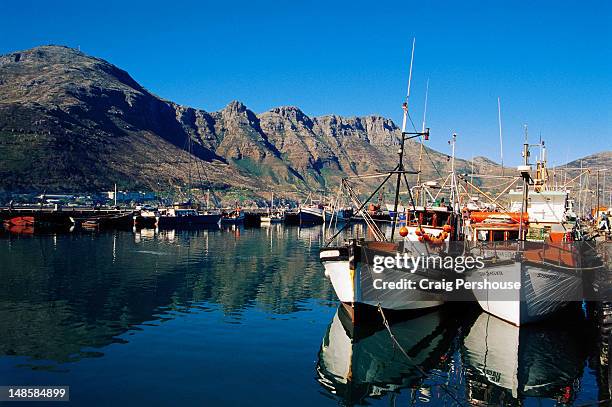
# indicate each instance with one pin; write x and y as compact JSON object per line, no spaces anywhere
{"x":412,"y":361}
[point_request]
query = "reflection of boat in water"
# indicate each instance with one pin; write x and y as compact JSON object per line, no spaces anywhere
{"x":506,"y":363}
{"x":312,"y":234}
{"x":359,"y":362}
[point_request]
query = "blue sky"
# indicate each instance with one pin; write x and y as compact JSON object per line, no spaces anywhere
{"x":549,"y":61}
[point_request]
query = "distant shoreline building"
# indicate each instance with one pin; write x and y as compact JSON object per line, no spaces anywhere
{"x":131,"y":196}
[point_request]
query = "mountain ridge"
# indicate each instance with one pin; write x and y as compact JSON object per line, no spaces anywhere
{"x":71,"y":121}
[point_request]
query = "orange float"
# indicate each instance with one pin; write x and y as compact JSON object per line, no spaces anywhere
{"x":482,"y":216}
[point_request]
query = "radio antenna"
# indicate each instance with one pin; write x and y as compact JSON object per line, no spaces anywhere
{"x":408,"y":92}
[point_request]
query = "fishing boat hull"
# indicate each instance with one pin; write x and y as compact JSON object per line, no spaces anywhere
{"x":349,"y":269}
{"x":145,"y":221}
{"x":292,"y":218}
{"x":544,"y":288}
{"x":238,"y":220}
{"x":311,"y":216}
{"x":205,"y":220}
{"x":341,"y":216}
{"x":40,"y":221}
{"x":20,"y":221}
{"x":117,"y":221}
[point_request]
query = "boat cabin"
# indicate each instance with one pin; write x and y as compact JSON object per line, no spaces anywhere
{"x":542,"y":206}
{"x":435,"y":217}
{"x":494,"y":233}
{"x":495,"y":226}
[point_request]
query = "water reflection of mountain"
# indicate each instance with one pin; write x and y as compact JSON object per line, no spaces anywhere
{"x":62,"y":294}
{"x":505,"y":363}
{"x":357,"y":363}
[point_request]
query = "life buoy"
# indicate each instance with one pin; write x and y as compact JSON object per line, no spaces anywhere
{"x":435,"y":240}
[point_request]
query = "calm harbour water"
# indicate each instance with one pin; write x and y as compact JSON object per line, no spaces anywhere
{"x":245,"y":316}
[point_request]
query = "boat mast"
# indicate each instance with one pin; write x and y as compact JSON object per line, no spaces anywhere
{"x":454,"y":191}
{"x":472,"y":178}
{"x":501,"y":141}
{"x":405,"y":106}
{"x":189,"y":171}
{"x":418,"y":183}
{"x":597,"y":207}
{"x":400,"y":165}
{"x":580,"y":191}
{"x":525,"y":175}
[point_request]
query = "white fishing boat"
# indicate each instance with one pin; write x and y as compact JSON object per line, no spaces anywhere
{"x":546,"y":270}
{"x":349,"y":266}
{"x":276,"y":217}
{"x":311,"y":214}
{"x":273,"y":215}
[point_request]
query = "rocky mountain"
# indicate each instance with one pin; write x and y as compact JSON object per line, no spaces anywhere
{"x":599,"y":160}
{"x":73,"y":122}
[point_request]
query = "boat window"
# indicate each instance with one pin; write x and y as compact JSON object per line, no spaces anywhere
{"x":513,"y":235}
{"x":428,"y":218}
{"x":498,"y":236}
{"x":483,"y":235}
{"x":443,"y":218}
